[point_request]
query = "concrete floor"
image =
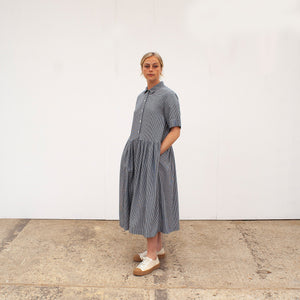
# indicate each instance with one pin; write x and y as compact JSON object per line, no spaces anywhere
{"x":91,"y":259}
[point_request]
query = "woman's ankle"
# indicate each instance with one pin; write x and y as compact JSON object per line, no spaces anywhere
{"x":151,"y":255}
{"x":159,"y":248}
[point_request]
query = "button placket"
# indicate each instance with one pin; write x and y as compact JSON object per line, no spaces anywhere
{"x":142,"y":110}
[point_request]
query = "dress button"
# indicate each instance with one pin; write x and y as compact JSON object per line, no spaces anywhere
{"x":140,"y":121}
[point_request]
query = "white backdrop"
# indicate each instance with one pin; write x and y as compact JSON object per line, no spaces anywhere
{"x":69,"y":78}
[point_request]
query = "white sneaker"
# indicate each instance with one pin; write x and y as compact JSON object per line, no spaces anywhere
{"x":139,"y":257}
{"x":146,"y":266}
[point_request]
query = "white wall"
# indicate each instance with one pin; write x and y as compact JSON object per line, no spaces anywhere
{"x":69,"y":77}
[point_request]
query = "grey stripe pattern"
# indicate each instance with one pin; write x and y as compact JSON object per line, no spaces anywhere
{"x":148,"y":192}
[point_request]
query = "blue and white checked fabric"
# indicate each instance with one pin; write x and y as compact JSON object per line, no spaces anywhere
{"x":148,"y":193}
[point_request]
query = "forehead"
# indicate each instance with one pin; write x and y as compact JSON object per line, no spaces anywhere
{"x":151,"y":60}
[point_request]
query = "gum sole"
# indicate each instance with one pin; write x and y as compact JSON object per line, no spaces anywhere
{"x":138,"y":259}
{"x":139,"y":272}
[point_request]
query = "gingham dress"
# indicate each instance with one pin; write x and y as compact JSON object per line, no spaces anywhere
{"x":148,"y":194}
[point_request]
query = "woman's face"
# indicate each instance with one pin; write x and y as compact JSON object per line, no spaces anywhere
{"x":151,"y":69}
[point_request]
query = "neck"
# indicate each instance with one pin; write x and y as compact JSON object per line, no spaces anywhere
{"x":151,"y":84}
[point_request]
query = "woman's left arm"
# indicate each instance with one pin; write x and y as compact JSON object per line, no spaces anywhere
{"x":172,"y":136}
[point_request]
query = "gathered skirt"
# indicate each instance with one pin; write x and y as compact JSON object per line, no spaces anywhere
{"x":148,"y":193}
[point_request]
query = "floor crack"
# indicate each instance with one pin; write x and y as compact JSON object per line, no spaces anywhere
{"x":13,"y":233}
{"x":251,"y":243}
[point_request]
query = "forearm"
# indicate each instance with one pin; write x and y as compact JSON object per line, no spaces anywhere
{"x":172,"y":136}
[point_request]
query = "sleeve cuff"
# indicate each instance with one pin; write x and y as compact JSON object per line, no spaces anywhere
{"x":174,"y":123}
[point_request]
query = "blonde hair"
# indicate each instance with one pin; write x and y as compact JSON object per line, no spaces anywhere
{"x":150,"y":54}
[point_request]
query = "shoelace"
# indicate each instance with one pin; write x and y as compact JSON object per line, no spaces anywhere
{"x":145,"y":261}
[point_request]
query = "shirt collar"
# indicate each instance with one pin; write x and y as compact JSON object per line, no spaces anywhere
{"x":154,"y":88}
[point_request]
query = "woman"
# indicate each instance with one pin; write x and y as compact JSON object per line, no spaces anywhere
{"x":148,"y":183}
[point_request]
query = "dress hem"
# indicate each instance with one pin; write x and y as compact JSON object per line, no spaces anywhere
{"x":149,"y":235}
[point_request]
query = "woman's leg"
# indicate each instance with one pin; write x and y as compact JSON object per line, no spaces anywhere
{"x":159,"y":242}
{"x":152,"y":246}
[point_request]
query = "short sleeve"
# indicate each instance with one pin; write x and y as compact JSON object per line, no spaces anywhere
{"x":172,"y":110}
